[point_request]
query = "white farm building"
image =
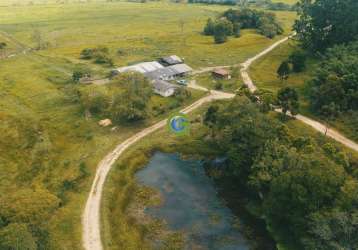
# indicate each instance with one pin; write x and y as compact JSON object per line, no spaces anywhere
{"x":164,"y":88}
{"x":144,"y":67}
{"x":159,"y":73}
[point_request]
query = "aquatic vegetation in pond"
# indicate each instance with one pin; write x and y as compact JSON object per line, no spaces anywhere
{"x":191,"y":204}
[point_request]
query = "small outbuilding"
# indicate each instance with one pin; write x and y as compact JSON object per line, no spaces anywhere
{"x":164,"y":88}
{"x":221,"y":73}
{"x":171,"y":60}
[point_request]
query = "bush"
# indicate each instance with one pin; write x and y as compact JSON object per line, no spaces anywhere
{"x":102,"y":58}
{"x":100,"y":55}
{"x":87,"y":54}
{"x":218,"y":86}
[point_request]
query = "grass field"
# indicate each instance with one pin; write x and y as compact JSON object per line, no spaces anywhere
{"x":45,"y":138}
{"x":140,"y":31}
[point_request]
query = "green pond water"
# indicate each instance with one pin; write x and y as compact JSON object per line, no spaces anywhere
{"x":190,"y":203}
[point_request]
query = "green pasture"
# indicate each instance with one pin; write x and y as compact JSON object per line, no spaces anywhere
{"x":140,"y":31}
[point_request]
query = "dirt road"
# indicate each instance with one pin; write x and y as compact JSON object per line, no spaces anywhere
{"x":91,"y":216}
{"x":314,"y":124}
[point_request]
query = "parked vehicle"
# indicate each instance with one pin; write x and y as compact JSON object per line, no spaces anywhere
{"x":182,"y":82}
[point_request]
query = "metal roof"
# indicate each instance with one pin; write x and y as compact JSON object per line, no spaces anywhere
{"x":143,"y":68}
{"x":173,"y":59}
{"x":169,"y":71}
{"x":162,"y":86}
{"x":180,"y":68}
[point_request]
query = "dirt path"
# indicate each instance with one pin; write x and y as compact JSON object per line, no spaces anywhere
{"x":20,"y":47}
{"x":91,"y":216}
{"x":314,"y":124}
{"x":192,"y":84}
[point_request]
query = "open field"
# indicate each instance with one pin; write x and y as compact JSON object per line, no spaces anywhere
{"x":139,"y":31}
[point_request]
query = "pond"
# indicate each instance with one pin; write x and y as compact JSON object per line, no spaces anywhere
{"x":190,"y":203}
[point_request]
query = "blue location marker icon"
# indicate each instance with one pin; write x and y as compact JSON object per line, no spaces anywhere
{"x":179,"y":124}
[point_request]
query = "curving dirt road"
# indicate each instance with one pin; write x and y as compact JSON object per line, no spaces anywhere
{"x":91,"y":216}
{"x":314,"y":124}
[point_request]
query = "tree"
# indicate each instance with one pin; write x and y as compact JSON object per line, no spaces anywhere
{"x":308,"y":185}
{"x":287,"y":98}
{"x":329,"y":112}
{"x":267,"y":98}
{"x":209,"y":28}
{"x":223,"y":29}
{"x":241,"y":132}
{"x":211,"y":116}
{"x":323,"y":24}
{"x":17,"y":236}
{"x":94,"y":100}
{"x":332,"y":230}
{"x":334,"y":86}
{"x":237,"y":29}
{"x":132,"y":93}
{"x":298,"y":61}
{"x":283,"y":71}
